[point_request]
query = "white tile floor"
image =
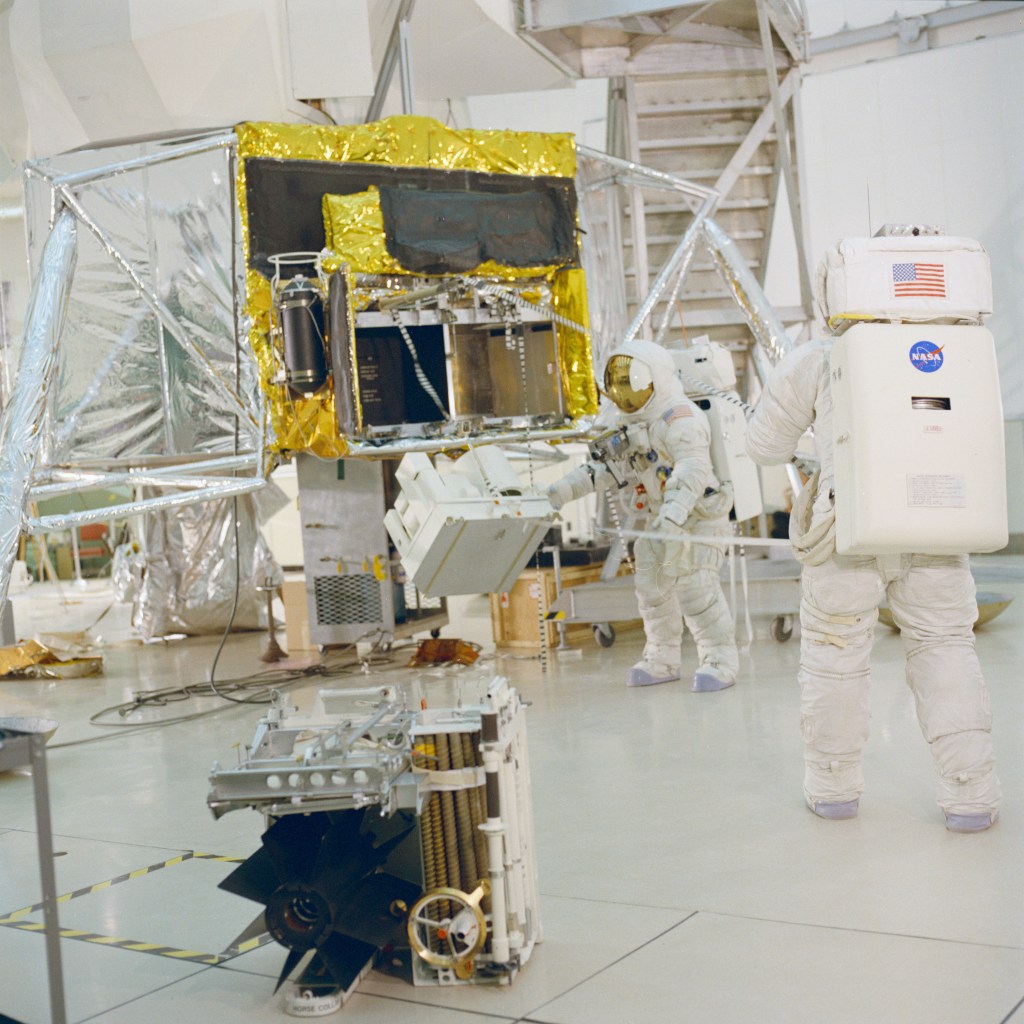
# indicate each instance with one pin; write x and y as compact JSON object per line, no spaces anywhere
{"x":682,"y":879}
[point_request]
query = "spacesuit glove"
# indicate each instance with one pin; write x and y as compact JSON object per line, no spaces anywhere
{"x":560,"y":492}
{"x":665,"y":522}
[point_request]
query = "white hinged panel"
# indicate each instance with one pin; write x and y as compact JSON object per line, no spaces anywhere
{"x":729,"y":456}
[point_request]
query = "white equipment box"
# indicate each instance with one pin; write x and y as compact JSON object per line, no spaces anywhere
{"x":468,"y":531}
{"x":905,"y":277}
{"x":729,"y":455}
{"x":711,"y":364}
{"x":918,"y":440}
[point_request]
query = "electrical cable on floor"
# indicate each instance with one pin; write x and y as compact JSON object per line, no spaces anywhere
{"x":231,"y":618}
{"x":265,"y":681}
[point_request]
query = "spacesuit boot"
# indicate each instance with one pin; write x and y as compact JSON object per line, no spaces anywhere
{"x":709,"y":678}
{"x":648,"y":673}
{"x":970,"y":822}
{"x":835,"y":810}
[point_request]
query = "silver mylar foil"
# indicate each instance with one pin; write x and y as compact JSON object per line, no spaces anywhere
{"x":189,"y":583}
{"x":154,"y":404}
{"x":22,"y":421}
{"x":772,"y":341}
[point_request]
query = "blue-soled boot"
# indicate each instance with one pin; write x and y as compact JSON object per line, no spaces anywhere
{"x":969,"y":822}
{"x":835,"y":811}
{"x":650,"y":673}
{"x":708,"y":678}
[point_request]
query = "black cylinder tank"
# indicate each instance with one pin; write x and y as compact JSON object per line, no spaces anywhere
{"x":301,"y":311}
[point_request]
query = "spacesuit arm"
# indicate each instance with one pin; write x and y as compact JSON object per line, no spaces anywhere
{"x":583,"y":480}
{"x":786,"y":407}
{"x":688,"y":441}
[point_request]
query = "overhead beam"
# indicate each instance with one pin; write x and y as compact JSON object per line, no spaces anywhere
{"x":543,"y":15}
{"x":667,"y":58}
{"x":691,"y":33}
{"x":898,"y":36}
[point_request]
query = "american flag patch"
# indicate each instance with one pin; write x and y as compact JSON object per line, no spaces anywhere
{"x":922,"y":280}
{"x":677,"y":412}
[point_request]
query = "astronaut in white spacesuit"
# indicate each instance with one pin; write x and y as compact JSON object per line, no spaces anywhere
{"x":932,"y":600}
{"x":662,"y":458}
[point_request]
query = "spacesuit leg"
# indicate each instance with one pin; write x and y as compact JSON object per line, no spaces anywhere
{"x":934,"y":605}
{"x":706,"y":611}
{"x":655,"y":582}
{"x":838,"y":610}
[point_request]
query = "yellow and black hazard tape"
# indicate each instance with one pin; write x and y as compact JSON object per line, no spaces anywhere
{"x":554,"y":616}
{"x":188,"y":955}
{"x":16,"y":915}
{"x":17,"y":918}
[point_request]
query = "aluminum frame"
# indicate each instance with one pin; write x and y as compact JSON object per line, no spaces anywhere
{"x":29,"y":426}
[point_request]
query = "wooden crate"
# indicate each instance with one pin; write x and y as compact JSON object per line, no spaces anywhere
{"x":516,"y":617}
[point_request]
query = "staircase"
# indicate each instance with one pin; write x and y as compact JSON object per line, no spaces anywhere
{"x":691,"y":94}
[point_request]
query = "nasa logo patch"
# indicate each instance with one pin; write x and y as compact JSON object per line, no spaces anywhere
{"x":926,"y":356}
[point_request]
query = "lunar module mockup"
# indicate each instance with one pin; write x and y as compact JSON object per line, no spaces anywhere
{"x":211,"y":304}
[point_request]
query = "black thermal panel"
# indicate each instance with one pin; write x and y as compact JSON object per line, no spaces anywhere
{"x":285,"y":199}
{"x":389,"y":389}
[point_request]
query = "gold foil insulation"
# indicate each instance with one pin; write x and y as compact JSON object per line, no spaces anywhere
{"x":412,"y":141}
{"x":569,"y":289}
{"x":354,"y":230}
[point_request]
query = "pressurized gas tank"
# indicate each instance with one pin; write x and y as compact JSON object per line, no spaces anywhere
{"x":918,"y":444}
{"x":301,"y":312}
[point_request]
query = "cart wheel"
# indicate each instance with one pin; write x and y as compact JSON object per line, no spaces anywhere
{"x":604,"y":634}
{"x":781,"y":628}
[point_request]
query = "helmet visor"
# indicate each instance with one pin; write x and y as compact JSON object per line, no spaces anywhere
{"x":627,"y":382}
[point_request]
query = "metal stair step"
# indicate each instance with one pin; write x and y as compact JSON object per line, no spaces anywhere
{"x":703,"y":267}
{"x":712,"y":175}
{"x":753,"y":235}
{"x":697,"y":142}
{"x":700,"y":107}
{"x":654,"y":209}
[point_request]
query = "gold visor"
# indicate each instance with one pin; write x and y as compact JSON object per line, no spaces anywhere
{"x":627,"y":383}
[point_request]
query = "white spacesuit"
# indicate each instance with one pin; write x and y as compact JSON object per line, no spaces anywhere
{"x":932,"y":599}
{"x":663,"y":451}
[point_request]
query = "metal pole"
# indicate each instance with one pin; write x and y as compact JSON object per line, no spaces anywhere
{"x":682,"y":251}
{"x":37,"y":747}
{"x":782,"y":146}
{"x":392,"y":56}
{"x":405,"y":67}
{"x":556,"y":561}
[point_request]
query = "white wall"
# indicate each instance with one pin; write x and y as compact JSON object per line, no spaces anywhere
{"x":826,"y":17}
{"x":934,"y":138}
{"x":579,"y":107}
